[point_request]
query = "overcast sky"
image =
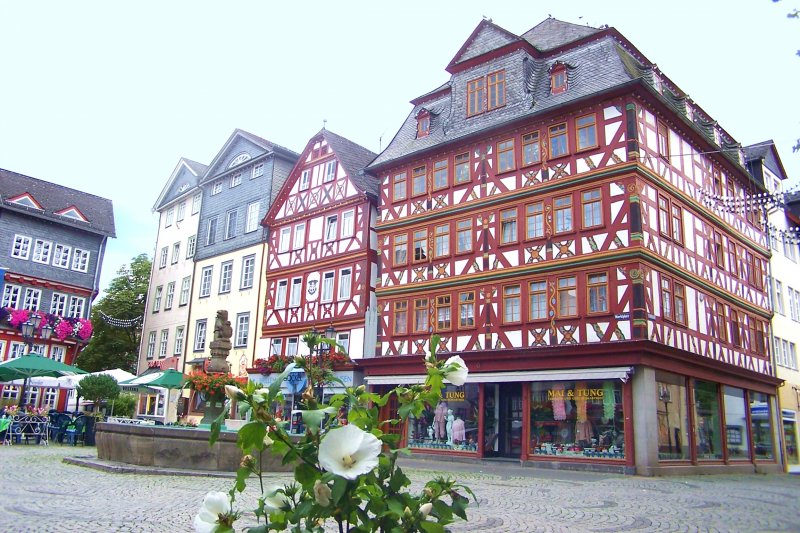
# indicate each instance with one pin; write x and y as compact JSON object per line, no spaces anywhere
{"x":106,"y":96}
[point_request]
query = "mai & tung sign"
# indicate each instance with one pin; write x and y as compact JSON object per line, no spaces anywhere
{"x":569,"y":394}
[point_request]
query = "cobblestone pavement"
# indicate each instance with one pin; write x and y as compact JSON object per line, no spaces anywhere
{"x":41,"y":493}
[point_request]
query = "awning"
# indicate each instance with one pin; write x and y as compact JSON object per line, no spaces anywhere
{"x":617,"y":372}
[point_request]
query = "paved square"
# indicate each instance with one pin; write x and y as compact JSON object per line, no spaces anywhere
{"x":41,"y":493}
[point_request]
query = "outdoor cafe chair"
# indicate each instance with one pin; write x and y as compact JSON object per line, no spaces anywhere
{"x":76,"y":432}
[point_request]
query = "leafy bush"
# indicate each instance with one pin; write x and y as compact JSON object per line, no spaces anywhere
{"x":98,"y":389}
{"x":125,"y":405}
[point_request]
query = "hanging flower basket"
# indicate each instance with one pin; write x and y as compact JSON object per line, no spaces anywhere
{"x":63,"y":327}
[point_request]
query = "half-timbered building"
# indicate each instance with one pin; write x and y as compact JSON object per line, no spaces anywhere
{"x":322,"y":264}
{"x":552,"y":213}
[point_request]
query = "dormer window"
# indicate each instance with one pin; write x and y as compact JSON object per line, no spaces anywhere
{"x":423,"y":124}
{"x":486,"y":93}
{"x":558,"y":78}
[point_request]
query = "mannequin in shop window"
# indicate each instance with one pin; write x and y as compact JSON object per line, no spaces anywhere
{"x":459,"y":431}
{"x":440,"y":421}
{"x":450,"y":419}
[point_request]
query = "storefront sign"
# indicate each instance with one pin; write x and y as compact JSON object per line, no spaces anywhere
{"x":455,"y":395}
{"x":574,"y":393}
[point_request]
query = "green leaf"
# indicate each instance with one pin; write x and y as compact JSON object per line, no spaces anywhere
{"x":241,"y":476}
{"x":338,"y":489}
{"x":395,"y":506}
{"x":313,"y":418}
{"x":306,"y":474}
{"x":251,"y":435}
{"x":431,"y":527}
{"x":216,"y":426}
{"x":275,"y":386}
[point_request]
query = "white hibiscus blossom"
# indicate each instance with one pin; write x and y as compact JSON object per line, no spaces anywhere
{"x":458,"y":376}
{"x":348,"y":451}
{"x":214,"y":505}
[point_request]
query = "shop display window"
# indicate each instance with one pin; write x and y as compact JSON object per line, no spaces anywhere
{"x":736,"y":439}
{"x":577,"y":419}
{"x":761,"y":424}
{"x":790,"y":434}
{"x":673,"y":417}
{"x":450,"y":425}
{"x":707,"y":428}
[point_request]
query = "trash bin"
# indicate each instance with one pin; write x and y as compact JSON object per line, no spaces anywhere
{"x":88,"y":435}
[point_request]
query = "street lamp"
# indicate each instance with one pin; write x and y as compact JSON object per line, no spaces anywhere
{"x":321,"y":349}
{"x":29,"y":331}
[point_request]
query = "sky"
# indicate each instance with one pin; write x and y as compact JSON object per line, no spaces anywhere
{"x":105,"y":97}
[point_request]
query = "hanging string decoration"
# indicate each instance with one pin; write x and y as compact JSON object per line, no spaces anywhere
{"x":119,"y":322}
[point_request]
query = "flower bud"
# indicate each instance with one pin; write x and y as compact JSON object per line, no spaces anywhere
{"x":234,"y":393}
{"x":247,"y":461}
{"x":407,"y":512}
{"x":322,"y":493}
{"x":268,"y":441}
{"x":428,"y":492}
{"x":425,"y":509}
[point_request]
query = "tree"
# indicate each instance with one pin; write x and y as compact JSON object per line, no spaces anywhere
{"x":117,"y":320}
{"x":98,"y":388}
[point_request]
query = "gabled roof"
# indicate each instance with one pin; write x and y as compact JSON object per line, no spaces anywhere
{"x":552,"y":33}
{"x":98,"y":211}
{"x":485,"y":38}
{"x":767,"y":153}
{"x":184,"y":178}
{"x":214,"y":169}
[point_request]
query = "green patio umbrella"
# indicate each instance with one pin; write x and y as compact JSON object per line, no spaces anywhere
{"x":166,"y":379}
{"x":31,"y":366}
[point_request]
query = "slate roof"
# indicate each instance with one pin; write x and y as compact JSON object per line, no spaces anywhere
{"x":53,"y":198}
{"x":767,"y":153}
{"x":552,"y":33}
{"x":197,"y":168}
{"x":172,"y":190}
{"x":213,"y":170}
{"x":354,"y":158}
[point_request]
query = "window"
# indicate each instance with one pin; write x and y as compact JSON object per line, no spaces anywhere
{"x":305,"y":180}
{"x":344,"y":340}
{"x":418,"y":181}
{"x":280,"y":295}
{"x":666,"y":298}
{"x":32,"y":299}
{"x":420,"y":245}
{"x":421,"y":315}
{"x":758,"y":274}
{"x":178,"y":348}
{"x":21,"y":247}
{"x":663,"y":140}
{"x":151,"y":344}
{"x":162,"y":346}
{"x":57,"y":353}
{"x":185,"y":288}
{"x":170,"y":295}
{"x":733,"y":259}
{"x":789,"y":248}
{"x":511,"y":304}
{"x":441,"y":246}
{"x":17,"y":349}
{"x":466,"y":309}
{"x":196,"y":200}
{"x":291,"y":346}
{"x":587,"y":131}
{"x":440,"y":178}
{"x":58,"y":304}
{"x":230,"y":224}
{"x":400,"y":318}
{"x":331,"y":227}
{"x":251,"y":222}
{"x":170,"y":217}
{"x":181,"y":211}
{"x":176,"y":252}
{"x":758,"y":336}
{"x":248,"y":272}
{"x":677,"y":224}
{"x":464,"y":236}
{"x":276,"y":347}
{"x":563,"y":209}
{"x":296,"y":294}
{"x":400,"y":249}
{"x":225,"y":277}
{"x":680,"y":303}
{"x":191,"y":244}
{"x":76,"y":305}
{"x":200,"y":336}
{"x":531,"y":152}
{"x":537,"y":294}
{"x":205,"y":281}
{"x":597,"y":285}
{"x":558,"y":79}
{"x":157,"y":299}
{"x":216,"y":188}
{"x":284,"y":239}
{"x":534,"y":220}
{"x":299,"y":236}
{"x":497,"y":89}
{"x":162,"y":262}
{"x":61,"y":255}
{"x":592,"y":208}
{"x":505,"y":156}
{"x":558,"y":140}
{"x":327,"y":286}
{"x":722,"y":323}
{"x":399,"y":187}
{"x":663,"y":216}
{"x":242,"y":329}
{"x":41,"y":251}
{"x":779,"y":307}
{"x":476,"y":97}
{"x":508,"y":226}
{"x":211,"y":231}
{"x":567,"y":297}
{"x":236,"y":180}
{"x":423,"y":124}
{"x":330,"y":171}
{"x":345,"y":283}
{"x":462,"y":167}
{"x":443,"y":320}
{"x":347,"y":223}
{"x":11,"y":295}
{"x":719,"y":250}
{"x":736,"y":332}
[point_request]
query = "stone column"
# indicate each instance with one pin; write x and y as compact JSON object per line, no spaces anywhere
{"x":645,"y":421}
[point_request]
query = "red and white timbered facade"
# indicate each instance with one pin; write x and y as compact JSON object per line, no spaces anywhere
{"x":322,"y":266}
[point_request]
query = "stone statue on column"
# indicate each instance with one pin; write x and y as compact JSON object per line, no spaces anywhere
{"x":221,"y":345}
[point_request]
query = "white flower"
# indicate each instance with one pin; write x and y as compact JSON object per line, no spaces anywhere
{"x":458,"y":376}
{"x":233,"y":392}
{"x":274,"y":498}
{"x":425,"y":509}
{"x":214,"y":504}
{"x":348,"y":451}
{"x":268,"y":441}
{"x":322,"y":493}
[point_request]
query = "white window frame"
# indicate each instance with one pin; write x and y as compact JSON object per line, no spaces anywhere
{"x":276,"y":346}
{"x":162,"y":345}
{"x":242,"y":330}
{"x":330,"y":171}
{"x":180,"y":331}
{"x":181,"y":211}
{"x":42,"y":250}
{"x":251,"y":222}
{"x":176,"y":252}
{"x":11,"y":295}
{"x":61,"y":255}
{"x":328,"y":281}
{"x":33,"y":299}
{"x":216,"y":188}
{"x":281,"y":290}
{"x":58,"y":352}
{"x":211,"y":231}
{"x":76,"y":306}
{"x":284,"y":239}
{"x":21,"y":247}
{"x":345,"y":283}
{"x":205,"y":281}
{"x":348,"y":226}
{"x":191,"y":246}
{"x":170,"y":217}
{"x":186,"y":287}
{"x":225,"y":277}
{"x":58,"y":304}
{"x":331,"y":227}
{"x":200,"y":333}
{"x":197,"y":200}
{"x":291,"y":346}
{"x":230,"y":224}
{"x":236,"y":180}
{"x":162,"y":261}
{"x":169,"y":296}
{"x":80,"y":260}
{"x":258,"y":170}
{"x":305,"y":180}
{"x":344,"y":340}
{"x":296,"y":292}
{"x":299,"y":239}
{"x":157,"y":298}
{"x":16,"y":350}
{"x":248,"y":272}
